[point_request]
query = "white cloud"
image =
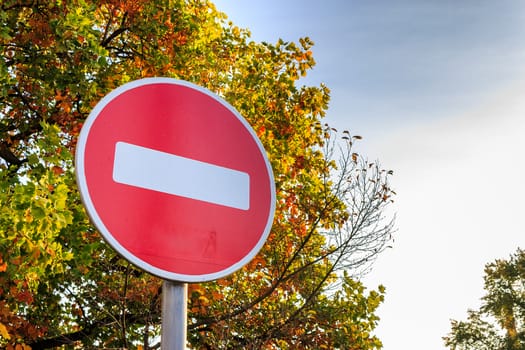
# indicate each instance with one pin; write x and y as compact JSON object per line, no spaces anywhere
{"x":460,"y":206}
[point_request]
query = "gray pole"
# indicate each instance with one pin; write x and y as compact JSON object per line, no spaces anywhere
{"x":174,"y":315}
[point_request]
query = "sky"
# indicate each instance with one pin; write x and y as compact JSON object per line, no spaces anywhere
{"x":437,"y":90}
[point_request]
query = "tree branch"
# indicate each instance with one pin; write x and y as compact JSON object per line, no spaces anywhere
{"x":107,"y":39}
{"x":88,"y":331}
{"x":8,"y":155}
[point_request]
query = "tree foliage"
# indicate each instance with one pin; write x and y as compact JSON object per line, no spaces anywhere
{"x":499,"y":324}
{"x":61,"y":285}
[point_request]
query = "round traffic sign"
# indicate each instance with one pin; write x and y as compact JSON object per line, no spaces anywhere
{"x":175,"y":180}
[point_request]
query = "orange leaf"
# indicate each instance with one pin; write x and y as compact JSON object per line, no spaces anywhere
{"x":3,"y":332}
{"x":3,"y":266}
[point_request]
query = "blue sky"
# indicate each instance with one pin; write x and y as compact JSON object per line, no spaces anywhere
{"x":437,"y":90}
{"x":390,"y":60}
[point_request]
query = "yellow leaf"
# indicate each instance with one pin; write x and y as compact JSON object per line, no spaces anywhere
{"x":204,"y":300}
{"x":3,"y":332}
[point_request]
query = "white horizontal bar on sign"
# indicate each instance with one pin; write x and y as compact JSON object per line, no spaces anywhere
{"x":169,"y":173}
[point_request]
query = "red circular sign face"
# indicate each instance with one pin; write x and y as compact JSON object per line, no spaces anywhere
{"x":175,"y":180}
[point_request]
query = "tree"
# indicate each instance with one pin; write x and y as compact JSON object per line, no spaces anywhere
{"x":60,"y":284}
{"x":499,"y":324}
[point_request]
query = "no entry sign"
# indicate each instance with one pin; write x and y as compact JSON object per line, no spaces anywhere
{"x":175,"y":180}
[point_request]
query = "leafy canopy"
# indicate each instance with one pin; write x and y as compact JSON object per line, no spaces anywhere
{"x":499,"y":324}
{"x":61,"y":285}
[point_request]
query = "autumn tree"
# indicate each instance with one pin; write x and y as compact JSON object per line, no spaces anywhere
{"x":61,"y":285}
{"x":499,"y":324}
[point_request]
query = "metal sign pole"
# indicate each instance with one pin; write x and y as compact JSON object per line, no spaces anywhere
{"x":174,"y":315}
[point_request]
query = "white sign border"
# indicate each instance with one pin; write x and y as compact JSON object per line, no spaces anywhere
{"x":99,"y":224}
